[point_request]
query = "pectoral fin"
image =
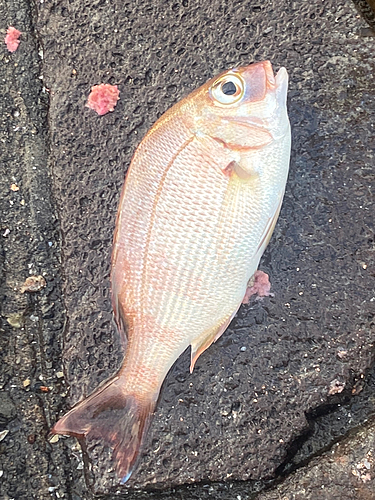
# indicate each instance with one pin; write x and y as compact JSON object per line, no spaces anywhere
{"x":203,"y":342}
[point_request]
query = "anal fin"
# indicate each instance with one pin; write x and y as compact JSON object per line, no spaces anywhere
{"x":203,"y":342}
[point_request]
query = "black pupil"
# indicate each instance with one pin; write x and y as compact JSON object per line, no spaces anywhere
{"x":229,"y":88}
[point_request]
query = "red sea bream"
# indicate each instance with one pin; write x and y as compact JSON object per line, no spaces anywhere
{"x":199,"y":205}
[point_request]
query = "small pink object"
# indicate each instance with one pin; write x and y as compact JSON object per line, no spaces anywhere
{"x":260,"y":287}
{"x":103,"y":98}
{"x":11,"y":39}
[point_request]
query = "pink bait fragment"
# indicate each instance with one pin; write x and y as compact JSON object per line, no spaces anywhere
{"x":103,"y":98}
{"x":11,"y":39}
{"x":260,"y":287}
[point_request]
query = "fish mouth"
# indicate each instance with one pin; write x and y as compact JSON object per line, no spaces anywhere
{"x":270,"y":77}
{"x":281,"y":78}
{"x":281,"y":82}
{"x":277,"y":84}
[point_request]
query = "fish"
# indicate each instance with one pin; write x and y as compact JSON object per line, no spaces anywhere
{"x":199,"y":204}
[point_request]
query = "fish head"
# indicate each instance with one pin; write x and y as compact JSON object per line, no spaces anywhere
{"x":244,"y":108}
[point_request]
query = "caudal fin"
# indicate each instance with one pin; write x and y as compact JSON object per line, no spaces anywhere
{"x":120,"y":420}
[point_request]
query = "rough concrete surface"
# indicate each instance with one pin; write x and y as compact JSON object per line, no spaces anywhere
{"x":345,"y":472}
{"x":266,"y":397}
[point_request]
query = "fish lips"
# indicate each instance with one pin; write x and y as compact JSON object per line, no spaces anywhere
{"x":281,"y":83}
{"x":278,"y":82}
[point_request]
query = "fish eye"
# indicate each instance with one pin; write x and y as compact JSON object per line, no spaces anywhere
{"x":228,"y":89}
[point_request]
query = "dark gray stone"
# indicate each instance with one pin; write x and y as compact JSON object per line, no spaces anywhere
{"x":345,"y":472}
{"x":240,"y":411}
{"x":242,"y":414}
{"x":30,"y":353}
{"x":7,"y":408}
{"x":367,"y":9}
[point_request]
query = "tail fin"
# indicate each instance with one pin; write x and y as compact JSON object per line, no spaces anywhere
{"x":118,"y":419}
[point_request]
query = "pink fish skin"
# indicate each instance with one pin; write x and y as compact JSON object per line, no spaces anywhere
{"x":200,"y":202}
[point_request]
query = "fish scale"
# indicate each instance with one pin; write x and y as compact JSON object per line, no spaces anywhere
{"x":199,"y":236}
{"x":199,"y":205}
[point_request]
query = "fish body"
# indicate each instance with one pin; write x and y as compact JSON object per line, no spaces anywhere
{"x":200,"y":202}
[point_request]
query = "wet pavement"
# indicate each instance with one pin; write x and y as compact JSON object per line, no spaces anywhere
{"x":294,"y":373}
